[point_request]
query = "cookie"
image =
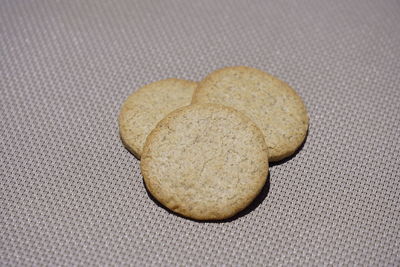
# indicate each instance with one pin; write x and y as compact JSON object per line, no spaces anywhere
{"x":270,"y":103}
{"x":205,"y":161}
{"x":143,"y":109}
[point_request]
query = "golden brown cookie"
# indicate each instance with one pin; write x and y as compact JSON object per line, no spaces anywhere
{"x":205,"y":161}
{"x":143,"y":109}
{"x":270,"y":103}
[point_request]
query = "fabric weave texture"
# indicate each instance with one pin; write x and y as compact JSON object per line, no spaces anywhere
{"x":71,"y":194}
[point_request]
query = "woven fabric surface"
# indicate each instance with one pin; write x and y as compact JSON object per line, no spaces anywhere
{"x":71,"y":194}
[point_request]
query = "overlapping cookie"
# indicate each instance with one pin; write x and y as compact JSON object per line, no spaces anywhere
{"x":205,"y":147}
{"x":144,"y":108}
{"x":269,"y":102}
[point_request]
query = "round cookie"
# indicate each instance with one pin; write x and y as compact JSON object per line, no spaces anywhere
{"x":270,"y":103}
{"x":205,"y":161}
{"x":143,"y":109}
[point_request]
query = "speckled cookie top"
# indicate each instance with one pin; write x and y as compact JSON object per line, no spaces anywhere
{"x":205,"y":161}
{"x":270,"y":103}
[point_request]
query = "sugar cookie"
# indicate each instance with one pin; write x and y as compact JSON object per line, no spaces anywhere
{"x":205,"y":161}
{"x":143,"y":109}
{"x":270,"y":103}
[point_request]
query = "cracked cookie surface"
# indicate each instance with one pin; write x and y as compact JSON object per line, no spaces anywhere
{"x":205,"y":161}
{"x":270,"y":103}
{"x":144,"y":108}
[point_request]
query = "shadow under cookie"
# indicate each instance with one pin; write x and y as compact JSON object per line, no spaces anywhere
{"x":251,"y":207}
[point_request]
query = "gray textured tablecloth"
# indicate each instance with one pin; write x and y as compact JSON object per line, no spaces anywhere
{"x":71,"y":194}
